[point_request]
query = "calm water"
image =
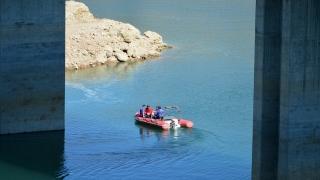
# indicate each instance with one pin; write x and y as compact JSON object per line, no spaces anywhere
{"x":208,"y":73}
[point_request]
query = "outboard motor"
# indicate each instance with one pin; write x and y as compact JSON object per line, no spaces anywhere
{"x":174,"y":123}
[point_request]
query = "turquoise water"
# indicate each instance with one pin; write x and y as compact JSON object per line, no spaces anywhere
{"x":208,"y":73}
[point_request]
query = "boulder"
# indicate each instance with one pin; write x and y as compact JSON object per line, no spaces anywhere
{"x":77,"y":12}
{"x":101,"y":58}
{"x":133,"y":31}
{"x":130,"y":52}
{"x":108,"y":50}
{"x":127,"y":37}
{"x":121,"y":56}
{"x":153,"y":36}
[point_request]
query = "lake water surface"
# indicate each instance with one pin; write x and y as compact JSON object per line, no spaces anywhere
{"x":208,"y":73}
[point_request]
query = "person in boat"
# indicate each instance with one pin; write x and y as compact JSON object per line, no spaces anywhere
{"x":142,"y":111}
{"x":148,"y":112}
{"x":159,"y":113}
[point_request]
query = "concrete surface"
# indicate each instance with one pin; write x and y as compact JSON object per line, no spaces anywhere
{"x":286,"y":127}
{"x":32,"y":68}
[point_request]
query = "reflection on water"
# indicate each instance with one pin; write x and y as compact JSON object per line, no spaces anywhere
{"x":32,"y":156}
{"x":120,"y":71}
{"x":149,"y":131}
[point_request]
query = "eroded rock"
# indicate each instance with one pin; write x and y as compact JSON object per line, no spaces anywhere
{"x":91,"y":41}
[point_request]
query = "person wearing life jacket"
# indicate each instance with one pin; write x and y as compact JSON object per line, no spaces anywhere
{"x":148,"y":112}
{"x":159,"y":113}
{"x":142,"y":111}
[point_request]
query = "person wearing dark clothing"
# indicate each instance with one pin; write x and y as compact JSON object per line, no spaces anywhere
{"x":142,"y":111}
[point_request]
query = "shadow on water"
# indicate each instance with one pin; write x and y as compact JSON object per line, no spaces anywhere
{"x":32,"y":156}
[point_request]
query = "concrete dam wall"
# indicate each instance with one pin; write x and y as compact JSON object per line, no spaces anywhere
{"x":286,"y":122}
{"x":32,"y":65}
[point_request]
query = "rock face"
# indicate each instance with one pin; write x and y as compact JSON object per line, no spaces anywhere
{"x":91,"y":41}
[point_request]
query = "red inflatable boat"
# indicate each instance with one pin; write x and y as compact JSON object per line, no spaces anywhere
{"x":166,"y":122}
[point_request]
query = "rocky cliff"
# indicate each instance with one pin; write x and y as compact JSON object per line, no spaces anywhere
{"x":91,"y":41}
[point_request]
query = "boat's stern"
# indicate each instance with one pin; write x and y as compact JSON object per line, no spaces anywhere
{"x":175,"y":123}
{"x":172,"y":122}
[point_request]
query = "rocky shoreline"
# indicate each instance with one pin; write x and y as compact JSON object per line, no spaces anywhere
{"x":91,"y":41}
